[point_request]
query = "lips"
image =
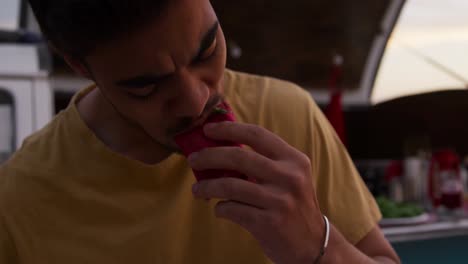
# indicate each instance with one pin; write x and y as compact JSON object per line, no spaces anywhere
{"x":195,"y":140}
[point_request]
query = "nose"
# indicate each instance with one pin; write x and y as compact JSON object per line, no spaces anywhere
{"x":191,"y":96}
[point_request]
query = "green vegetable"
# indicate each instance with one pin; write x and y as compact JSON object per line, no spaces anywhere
{"x":391,"y":209}
{"x":219,"y":110}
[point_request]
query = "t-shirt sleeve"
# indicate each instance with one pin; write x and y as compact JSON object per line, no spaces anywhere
{"x":342,"y":194}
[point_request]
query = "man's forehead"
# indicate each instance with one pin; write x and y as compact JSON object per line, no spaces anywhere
{"x":163,"y":43}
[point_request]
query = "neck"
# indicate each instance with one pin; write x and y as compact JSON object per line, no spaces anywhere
{"x":116,"y":132}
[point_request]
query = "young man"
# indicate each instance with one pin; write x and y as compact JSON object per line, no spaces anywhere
{"x":104,"y":183}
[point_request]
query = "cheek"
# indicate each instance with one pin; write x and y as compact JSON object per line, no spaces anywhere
{"x":147,"y":113}
{"x":150,"y":117}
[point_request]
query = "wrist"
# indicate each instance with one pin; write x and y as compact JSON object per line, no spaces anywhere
{"x":338,"y":248}
{"x":325,"y":241}
{"x":315,"y":252}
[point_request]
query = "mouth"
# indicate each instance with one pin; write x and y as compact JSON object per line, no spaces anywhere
{"x":209,"y":109}
{"x":201,"y":120}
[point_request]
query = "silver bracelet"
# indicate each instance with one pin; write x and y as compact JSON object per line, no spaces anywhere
{"x":325,"y":243}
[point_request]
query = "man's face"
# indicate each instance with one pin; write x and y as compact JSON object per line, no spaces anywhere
{"x":166,"y":76}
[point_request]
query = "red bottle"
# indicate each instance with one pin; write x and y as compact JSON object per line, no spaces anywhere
{"x":445,"y":183}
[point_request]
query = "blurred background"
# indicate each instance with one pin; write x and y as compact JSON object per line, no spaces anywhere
{"x":391,"y":76}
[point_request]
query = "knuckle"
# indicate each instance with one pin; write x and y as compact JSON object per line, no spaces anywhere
{"x":298,"y":174}
{"x":227,"y":127}
{"x":278,"y":169}
{"x":304,"y":162}
{"x":240,"y":158}
{"x":239,"y":153}
{"x":226,"y":188}
{"x":296,"y":180}
{"x":286,"y":204}
{"x":254,"y":131}
{"x":264,"y":195}
{"x":275,"y":221}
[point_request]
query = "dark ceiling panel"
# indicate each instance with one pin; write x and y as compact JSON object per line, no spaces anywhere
{"x":296,"y":40}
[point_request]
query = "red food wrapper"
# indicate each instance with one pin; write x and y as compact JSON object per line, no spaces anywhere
{"x":195,"y":140}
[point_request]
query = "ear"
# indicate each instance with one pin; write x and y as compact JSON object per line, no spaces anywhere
{"x":78,"y":66}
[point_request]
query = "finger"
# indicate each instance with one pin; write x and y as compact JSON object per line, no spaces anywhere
{"x":260,"y":139}
{"x":234,"y":189}
{"x":244,"y":215}
{"x":248,"y":162}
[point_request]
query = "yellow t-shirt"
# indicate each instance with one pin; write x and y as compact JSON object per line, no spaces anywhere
{"x":67,"y":198}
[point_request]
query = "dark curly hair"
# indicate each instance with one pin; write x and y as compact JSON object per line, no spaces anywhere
{"x":77,"y":27}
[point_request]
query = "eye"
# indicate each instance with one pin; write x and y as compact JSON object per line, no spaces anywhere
{"x":209,"y":51}
{"x":143,"y":93}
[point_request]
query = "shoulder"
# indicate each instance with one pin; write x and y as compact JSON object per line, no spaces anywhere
{"x":267,"y":95}
{"x":280,"y":106}
{"x":33,"y":158}
{"x":28,"y":171}
{"x":251,"y":86}
{"x":36,"y":147}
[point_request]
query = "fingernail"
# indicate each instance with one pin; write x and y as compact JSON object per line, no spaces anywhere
{"x":195,"y":188}
{"x":192,"y":157}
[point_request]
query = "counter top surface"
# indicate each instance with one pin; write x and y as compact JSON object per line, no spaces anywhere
{"x":432,"y":230}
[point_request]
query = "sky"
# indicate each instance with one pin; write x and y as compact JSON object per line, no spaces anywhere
{"x":431,"y":14}
{"x":428,"y":50}
{"x":9,"y":10}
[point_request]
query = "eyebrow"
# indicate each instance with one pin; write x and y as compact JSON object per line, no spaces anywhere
{"x":207,"y":41}
{"x":149,"y":78}
{"x":141,"y":81}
